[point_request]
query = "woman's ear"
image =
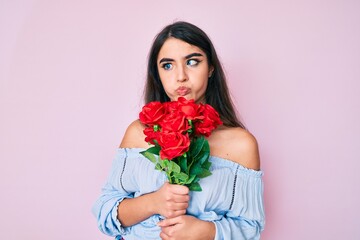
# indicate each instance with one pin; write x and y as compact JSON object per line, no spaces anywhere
{"x":211,"y":70}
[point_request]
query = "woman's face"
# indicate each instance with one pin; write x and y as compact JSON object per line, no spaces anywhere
{"x":183,"y":70}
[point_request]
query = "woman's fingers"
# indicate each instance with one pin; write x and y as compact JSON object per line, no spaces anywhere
{"x":181,"y":198}
{"x":169,"y":222}
{"x":178,"y":189}
{"x":163,"y":236}
{"x":171,"y":200}
{"x":177,"y":205}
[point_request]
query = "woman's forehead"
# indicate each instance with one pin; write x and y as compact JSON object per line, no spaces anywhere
{"x":175,"y":48}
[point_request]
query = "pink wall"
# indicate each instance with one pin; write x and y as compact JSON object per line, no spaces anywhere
{"x":71,"y":76}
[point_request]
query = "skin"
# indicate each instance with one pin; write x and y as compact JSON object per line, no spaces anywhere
{"x":183,"y":65}
{"x":183,"y":70}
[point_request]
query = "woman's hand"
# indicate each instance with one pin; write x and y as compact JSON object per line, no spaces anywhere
{"x":186,"y":227}
{"x":171,"y":200}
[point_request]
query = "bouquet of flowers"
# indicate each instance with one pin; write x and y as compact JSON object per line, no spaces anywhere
{"x":177,"y":131}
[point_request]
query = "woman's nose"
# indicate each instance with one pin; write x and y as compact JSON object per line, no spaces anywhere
{"x":181,"y":74}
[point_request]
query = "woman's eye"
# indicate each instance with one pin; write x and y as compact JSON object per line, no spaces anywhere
{"x":167,"y":66}
{"x":192,"y":62}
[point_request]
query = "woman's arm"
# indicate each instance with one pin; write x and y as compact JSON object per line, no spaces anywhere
{"x":169,"y":201}
{"x":191,"y":228}
{"x":187,"y":227}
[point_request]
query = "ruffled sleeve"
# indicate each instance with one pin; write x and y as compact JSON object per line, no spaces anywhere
{"x":105,"y":208}
{"x":245,"y":218}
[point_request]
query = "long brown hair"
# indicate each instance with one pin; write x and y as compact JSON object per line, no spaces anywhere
{"x":217,"y":92}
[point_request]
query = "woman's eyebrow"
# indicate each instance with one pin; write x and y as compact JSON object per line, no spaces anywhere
{"x":186,"y":57}
{"x":166,"y":60}
{"x":193,"y":55}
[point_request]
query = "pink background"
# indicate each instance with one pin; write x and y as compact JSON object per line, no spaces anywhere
{"x":71,"y":78}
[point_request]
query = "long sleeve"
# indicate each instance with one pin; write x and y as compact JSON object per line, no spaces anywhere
{"x":105,"y":208}
{"x":238,"y":228}
{"x":245,"y":220}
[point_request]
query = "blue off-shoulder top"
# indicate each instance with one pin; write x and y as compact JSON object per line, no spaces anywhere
{"x":231,"y":198}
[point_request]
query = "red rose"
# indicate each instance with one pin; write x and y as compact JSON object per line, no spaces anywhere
{"x":171,"y":107}
{"x":151,"y":135}
{"x":173,"y":144}
{"x":152,"y":113}
{"x":209,"y":123}
{"x":189,"y":108}
{"x":174,"y":122}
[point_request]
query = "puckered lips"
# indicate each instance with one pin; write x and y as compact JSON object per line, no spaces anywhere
{"x":182,"y":91}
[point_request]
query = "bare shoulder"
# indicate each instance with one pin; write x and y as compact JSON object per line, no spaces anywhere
{"x":236,"y":144}
{"x":134,"y":136}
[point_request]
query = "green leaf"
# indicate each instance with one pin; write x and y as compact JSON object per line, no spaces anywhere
{"x":183,"y":164}
{"x":203,"y":156}
{"x":206,"y":146}
{"x":195,"y":187}
{"x":206,"y":165}
{"x":163,"y":163}
{"x":190,"y":163}
{"x":154,"y":150}
{"x":205,"y":173}
{"x":181,"y":177}
{"x":157,"y":166}
{"x":149,"y":156}
{"x":191,"y":179}
{"x":174,"y":167}
{"x":196,"y":169}
{"x":196,"y":146}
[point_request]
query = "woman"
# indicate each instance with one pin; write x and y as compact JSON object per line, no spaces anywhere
{"x":138,"y":203}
